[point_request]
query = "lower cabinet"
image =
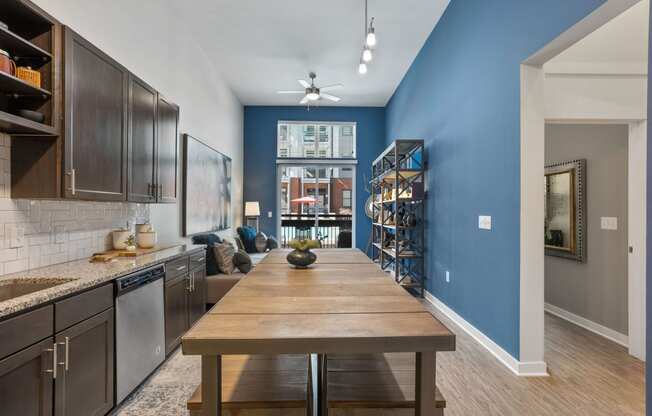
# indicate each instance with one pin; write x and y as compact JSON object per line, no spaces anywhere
{"x":185,"y":302}
{"x":197,"y":296}
{"x":84,"y":383}
{"x":176,"y":305}
{"x":26,"y":381}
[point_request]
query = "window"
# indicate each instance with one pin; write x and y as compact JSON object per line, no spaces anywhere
{"x":346,"y":198}
{"x":316,"y":140}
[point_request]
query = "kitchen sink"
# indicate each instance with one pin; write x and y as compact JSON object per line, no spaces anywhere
{"x":15,"y":288}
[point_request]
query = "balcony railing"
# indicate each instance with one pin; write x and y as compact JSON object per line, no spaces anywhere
{"x":334,"y":231}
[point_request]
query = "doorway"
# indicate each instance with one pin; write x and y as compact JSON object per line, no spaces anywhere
{"x":584,"y":102}
{"x":316,"y":201}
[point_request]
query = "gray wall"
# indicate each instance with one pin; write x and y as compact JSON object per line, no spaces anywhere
{"x":596,"y":289}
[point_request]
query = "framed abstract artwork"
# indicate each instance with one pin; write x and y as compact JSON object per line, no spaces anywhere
{"x":206,"y":188}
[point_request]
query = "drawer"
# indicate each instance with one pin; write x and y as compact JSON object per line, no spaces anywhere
{"x":24,"y":330}
{"x":176,"y":268}
{"x":198,"y":260}
{"x":82,"y":306}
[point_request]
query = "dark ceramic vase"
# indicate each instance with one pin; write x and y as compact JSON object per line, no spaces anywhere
{"x":301,"y":259}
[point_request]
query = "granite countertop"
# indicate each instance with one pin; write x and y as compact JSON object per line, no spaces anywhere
{"x":79,"y":275}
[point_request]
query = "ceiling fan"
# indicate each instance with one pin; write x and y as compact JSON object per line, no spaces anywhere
{"x":312,"y":92}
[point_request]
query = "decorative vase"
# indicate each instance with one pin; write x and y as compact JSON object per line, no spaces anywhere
{"x":261,"y":242}
{"x":301,"y":259}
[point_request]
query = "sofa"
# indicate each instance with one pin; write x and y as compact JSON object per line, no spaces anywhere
{"x":217,"y":285}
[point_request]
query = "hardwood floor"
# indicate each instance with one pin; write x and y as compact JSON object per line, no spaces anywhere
{"x":589,"y":375}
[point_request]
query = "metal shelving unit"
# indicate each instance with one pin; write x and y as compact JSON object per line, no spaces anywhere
{"x":398,"y":230}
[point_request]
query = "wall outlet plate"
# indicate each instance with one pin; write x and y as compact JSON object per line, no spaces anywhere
{"x":16,"y":236}
{"x":609,"y":223}
{"x":484,"y":222}
{"x":269,"y":214}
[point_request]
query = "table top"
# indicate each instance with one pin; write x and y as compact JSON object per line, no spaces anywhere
{"x":350,"y":306}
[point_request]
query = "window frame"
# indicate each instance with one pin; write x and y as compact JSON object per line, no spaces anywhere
{"x":317,"y":143}
{"x":350,"y":198}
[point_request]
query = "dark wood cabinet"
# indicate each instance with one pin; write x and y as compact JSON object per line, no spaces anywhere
{"x":197,"y":295}
{"x":26,"y":381}
{"x":176,"y":307}
{"x":185,"y":298}
{"x":141,"y":170}
{"x":167,"y":160}
{"x":95,"y":103}
{"x":84,"y":384}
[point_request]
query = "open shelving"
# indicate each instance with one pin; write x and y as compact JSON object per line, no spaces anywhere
{"x":29,"y":39}
{"x":398,"y":230}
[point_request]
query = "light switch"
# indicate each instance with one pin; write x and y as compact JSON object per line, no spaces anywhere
{"x":269,"y":214}
{"x":448,"y":276}
{"x":484,"y":222}
{"x":609,"y":223}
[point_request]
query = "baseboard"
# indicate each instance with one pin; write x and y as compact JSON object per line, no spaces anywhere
{"x":520,"y":368}
{"x":596,"y":328}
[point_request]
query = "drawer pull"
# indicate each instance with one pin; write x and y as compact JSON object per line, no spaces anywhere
{"x":200,"y":260}
{"x":53,"y":350}
{"x":180,"y":268}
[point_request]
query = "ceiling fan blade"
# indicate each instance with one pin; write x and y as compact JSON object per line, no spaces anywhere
{"x":331,"y":97}
{"x":304,"y":83}
{"x":331,"y":87}
{"x":304,"y":101}
{"x":290,"y":92}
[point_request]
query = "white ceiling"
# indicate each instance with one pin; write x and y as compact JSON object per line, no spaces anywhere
{"x":261,"y":46}
{"x":623,"y":40}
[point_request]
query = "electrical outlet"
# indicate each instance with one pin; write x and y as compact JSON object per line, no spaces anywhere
{"x":448,"y":276}
{"x":484,"y":222}
{"x":269,"y":214}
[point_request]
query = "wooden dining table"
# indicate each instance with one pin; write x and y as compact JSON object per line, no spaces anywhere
{"x":342,"y":304}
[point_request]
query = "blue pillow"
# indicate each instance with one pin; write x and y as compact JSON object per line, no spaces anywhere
{"x":248,"y":236}
{"x":210,"y":240}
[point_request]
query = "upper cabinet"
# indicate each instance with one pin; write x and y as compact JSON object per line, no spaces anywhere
{"x":167,"y":151}
{"x":95,"y":103}
{"x":107,"y":134}
{"x":142,"y":141}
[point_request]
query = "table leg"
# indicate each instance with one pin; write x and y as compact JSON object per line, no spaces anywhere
{"x":211,"y":385}
{"x":322,"y":385}
{"x":425,"y":385}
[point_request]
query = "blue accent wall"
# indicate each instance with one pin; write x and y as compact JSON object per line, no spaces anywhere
{"x":260,"y":130}
{"x":462,"y":95}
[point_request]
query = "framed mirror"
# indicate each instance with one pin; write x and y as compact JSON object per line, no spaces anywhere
{"x":564,"y":210}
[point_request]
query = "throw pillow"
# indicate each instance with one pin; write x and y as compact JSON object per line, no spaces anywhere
{"x":224,"y":254}
{"x":210,"y":240}
{"x":261,"y":242}
{"x":248,"y":236}
{"x":272,"y":243}
{"x":242,"y":261}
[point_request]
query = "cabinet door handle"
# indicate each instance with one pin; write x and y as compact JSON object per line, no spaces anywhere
{"x":53,"y":350}
{"x":73,"y":185}
{"x":66,"y":345}
{"x":193,"y":282}
{"x":189,"y":287}
{"x":159,"y":187}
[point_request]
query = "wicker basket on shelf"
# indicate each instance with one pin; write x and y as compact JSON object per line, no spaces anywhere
{"x":29,"y":75}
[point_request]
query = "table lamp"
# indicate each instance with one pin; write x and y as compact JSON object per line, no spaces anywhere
{"x":252,"y":211}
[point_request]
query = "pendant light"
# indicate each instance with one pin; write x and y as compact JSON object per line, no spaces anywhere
{"x":370,"y":41}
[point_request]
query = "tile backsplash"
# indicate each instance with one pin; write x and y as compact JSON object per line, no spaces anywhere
{"x":37,"y":233}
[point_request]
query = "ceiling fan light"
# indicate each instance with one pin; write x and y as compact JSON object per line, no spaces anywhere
{"x":371,"y":37}
{"x":312,"y":96}
{"x":362,"y":68}
{"x":367,"y":55}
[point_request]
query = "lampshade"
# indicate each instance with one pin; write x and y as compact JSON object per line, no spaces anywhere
{"x":252,"y":209}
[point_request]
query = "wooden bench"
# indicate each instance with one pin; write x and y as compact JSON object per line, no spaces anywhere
{"x":262,"y":385}
{"x":374,"y":385}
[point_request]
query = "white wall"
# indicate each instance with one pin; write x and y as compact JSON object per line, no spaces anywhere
{"x":613,"y":97}
{"x":148,"y":38}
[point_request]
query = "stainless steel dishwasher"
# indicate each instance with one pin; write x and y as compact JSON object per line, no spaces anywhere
{"x":139,"y":328}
